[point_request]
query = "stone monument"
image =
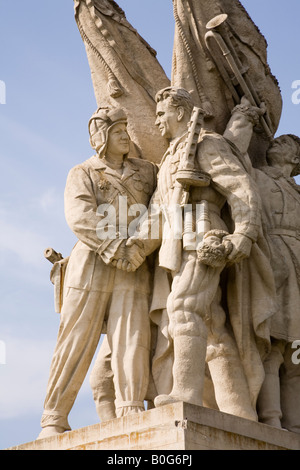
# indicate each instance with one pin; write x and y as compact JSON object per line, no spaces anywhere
{"x":188,"y":253}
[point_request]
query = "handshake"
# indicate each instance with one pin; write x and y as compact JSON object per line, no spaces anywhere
{"x":128,"y":255}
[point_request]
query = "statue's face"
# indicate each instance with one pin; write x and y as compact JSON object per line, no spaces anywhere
{"x":283,"y":148}
{"x":118,"y":141}
{"x":166,"y":119}
{"x":215,"y":243}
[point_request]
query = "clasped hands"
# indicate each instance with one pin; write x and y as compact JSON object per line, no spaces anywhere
{"x":129,"y":256}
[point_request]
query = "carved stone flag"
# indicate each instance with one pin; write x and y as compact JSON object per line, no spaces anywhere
{"x":200,"y":66}
{"x":124,"y":70}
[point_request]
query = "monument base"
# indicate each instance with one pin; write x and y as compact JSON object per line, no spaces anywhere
{"x":178,"y":426}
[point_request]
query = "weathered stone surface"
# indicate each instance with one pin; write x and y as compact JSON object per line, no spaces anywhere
{"x":198,"y":301}
{"x":178,"y":426}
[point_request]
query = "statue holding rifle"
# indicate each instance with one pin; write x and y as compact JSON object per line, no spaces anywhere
{"x":196,"y":317}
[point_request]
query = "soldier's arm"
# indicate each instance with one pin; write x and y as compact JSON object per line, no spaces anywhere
{"x":239,"y":129}
{"x":150,"y":233}
{"x":231,"y":180}
{"x":81,"y":211}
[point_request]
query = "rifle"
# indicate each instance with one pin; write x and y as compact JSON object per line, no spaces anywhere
{"x":52,"y":256}
{"x":187,"y":175}
{"x":57,"y":275}
{"x":237,"y":73}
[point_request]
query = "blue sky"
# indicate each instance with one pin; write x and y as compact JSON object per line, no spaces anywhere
{"x":43,"y":128}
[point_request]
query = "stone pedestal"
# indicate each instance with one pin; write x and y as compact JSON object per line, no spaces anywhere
{"x":178,"y":426}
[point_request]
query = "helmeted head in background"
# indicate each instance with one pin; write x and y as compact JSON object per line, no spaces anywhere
{"x":101,"y":122}
{"x":296,"y":140}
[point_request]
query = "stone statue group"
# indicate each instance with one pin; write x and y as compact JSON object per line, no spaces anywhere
{"x":200,"y":300}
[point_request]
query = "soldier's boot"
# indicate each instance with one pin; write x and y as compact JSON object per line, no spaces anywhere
{"x":231,"y":389}
{"x":188,"y":371}
{"x":269,"y":400}
{"x":102,"y":384}
{"x":50,"y":431}
{"x":106,"y":410}
{"x":268,"y":403}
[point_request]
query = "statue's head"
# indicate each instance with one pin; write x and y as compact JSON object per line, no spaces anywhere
{"x":214,"y":250}
{"x":176,"y":97}
{"x":285,"y":150}
{"x":174,"y":107}
{"x":101,"y":124}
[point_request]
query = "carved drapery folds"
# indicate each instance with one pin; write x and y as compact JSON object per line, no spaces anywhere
{"x":195,"y":68}
{"x":124,"y":70}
